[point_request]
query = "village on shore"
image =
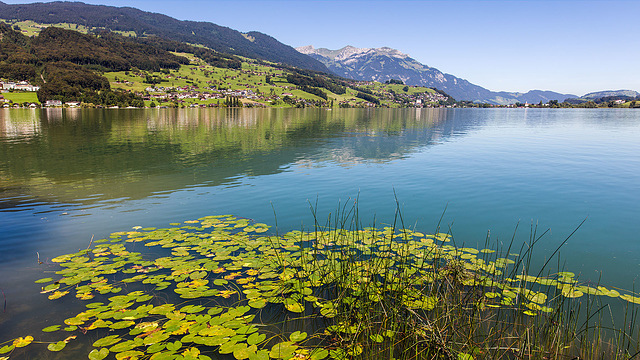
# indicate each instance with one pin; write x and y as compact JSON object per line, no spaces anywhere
{"x":235,"y":90}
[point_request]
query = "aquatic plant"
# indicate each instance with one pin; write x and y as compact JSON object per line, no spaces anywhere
{"x":226,"y":286}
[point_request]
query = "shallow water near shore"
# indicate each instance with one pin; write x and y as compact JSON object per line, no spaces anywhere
{"x":70,"y":175}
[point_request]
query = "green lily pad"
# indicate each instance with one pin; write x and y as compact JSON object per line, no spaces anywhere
{"x":107,"y":341}
{"x":298,"y":336}
{"x":144,"y":298}
{"x":156,"y":348}
{"x":283,"y":350}
{"x":74,"y":321}
{"x":96,"y":354}
{"x":122,"y":325}
{"x":174,"y":346}
{"x":230,"y":346}
{"x":125,"y":346}
{"x":57,"y":346}
{"x":191,"y":309}
{"x":319,"y":354}
{"x":129,"y":354}
{"x":245,"y":352}
{"x":45,"y":280}
{"x":217,"y":330}
{"x":156,"y":338}
{"x":256,"y":338}
{"x":51,"y":328}
{"x":258,"y":303}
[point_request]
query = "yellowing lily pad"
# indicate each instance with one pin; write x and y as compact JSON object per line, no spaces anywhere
{"x":23,"y":341}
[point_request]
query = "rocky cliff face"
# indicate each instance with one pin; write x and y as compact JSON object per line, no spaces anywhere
{"x":382,"y":64}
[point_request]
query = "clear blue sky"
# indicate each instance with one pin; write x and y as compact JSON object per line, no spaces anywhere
{"x":566,"y":46}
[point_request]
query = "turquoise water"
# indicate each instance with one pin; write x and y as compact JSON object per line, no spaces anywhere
{"x":69,"y":175}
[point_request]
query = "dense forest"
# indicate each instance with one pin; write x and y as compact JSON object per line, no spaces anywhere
{"x":219,"y":38}
{"x":367,"y":97}
{"x":316,"y":81}
{"x":63,"y":62}
{"x":107,"y":50}
{"x":214,"y":58}
{"x":15,"y":60}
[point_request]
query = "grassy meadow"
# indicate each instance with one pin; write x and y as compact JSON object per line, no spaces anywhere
{"x":21,"y":97}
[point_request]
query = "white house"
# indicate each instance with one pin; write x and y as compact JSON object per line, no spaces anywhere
{"x":53,"y":103}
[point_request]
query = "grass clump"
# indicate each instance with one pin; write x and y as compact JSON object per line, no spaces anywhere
{"x":400,"y":294}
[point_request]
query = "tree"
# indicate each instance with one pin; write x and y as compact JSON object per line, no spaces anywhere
{"x":405,"y":89}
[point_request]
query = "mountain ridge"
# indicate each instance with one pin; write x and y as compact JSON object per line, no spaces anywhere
{"x":222,"y":39}
{"x":382,"y":64}
{"x":611,"y":93}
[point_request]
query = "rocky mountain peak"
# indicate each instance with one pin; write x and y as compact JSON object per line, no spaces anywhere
{"x":385,"y":63}
{"x":349,"y":51}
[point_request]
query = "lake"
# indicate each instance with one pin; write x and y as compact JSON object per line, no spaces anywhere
{"x":68,"y":176}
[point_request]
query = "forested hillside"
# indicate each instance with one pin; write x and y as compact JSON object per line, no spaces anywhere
{"x":222,"y":39}
{"x":62,"y":63}
{"x":109,"y":69}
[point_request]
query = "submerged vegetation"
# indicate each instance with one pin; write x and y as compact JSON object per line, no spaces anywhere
{"x":226,"y":287}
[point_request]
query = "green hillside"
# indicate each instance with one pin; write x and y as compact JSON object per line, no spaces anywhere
{"x":262,"y":84}
{"x":130,"y":21}
{"x":109,"y":69}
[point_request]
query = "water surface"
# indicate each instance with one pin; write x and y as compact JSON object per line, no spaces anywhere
{"x":67,"y":176}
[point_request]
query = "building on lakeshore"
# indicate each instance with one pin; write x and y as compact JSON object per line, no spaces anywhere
{"x":52,"y":103}
{"x":22,"y":85}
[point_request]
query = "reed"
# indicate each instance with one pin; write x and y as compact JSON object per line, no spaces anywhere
{"x":222,"y":285}
{"x":395,"y":299}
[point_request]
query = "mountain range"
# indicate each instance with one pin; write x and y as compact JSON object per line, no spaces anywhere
{"x":382,"y":64}
{"x":379,"y":64}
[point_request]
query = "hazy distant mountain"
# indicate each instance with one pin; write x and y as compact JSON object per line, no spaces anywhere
{"x":606,"y":96}
{"x":383,"y":64}
{"x":219,"y":38}
{"x":611,"y":93}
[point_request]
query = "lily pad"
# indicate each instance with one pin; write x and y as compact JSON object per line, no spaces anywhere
{"x":51,"y":328}
{"x":56,"y":346}
{"x":107,"y":341}
{"x":256,"y":338}
{"x":298,"y":336}
{"x":23,"y":341}
{"x":283,"y":350}
{"x":122,"y":324}
{"x":96,"y":354}
{"x":258,"y":303}
{"x":319,"y":354}
{"x":294,"y":307}
{"x":45,"y":280}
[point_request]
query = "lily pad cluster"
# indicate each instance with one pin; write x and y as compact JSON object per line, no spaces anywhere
{"x":226,"y":286}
